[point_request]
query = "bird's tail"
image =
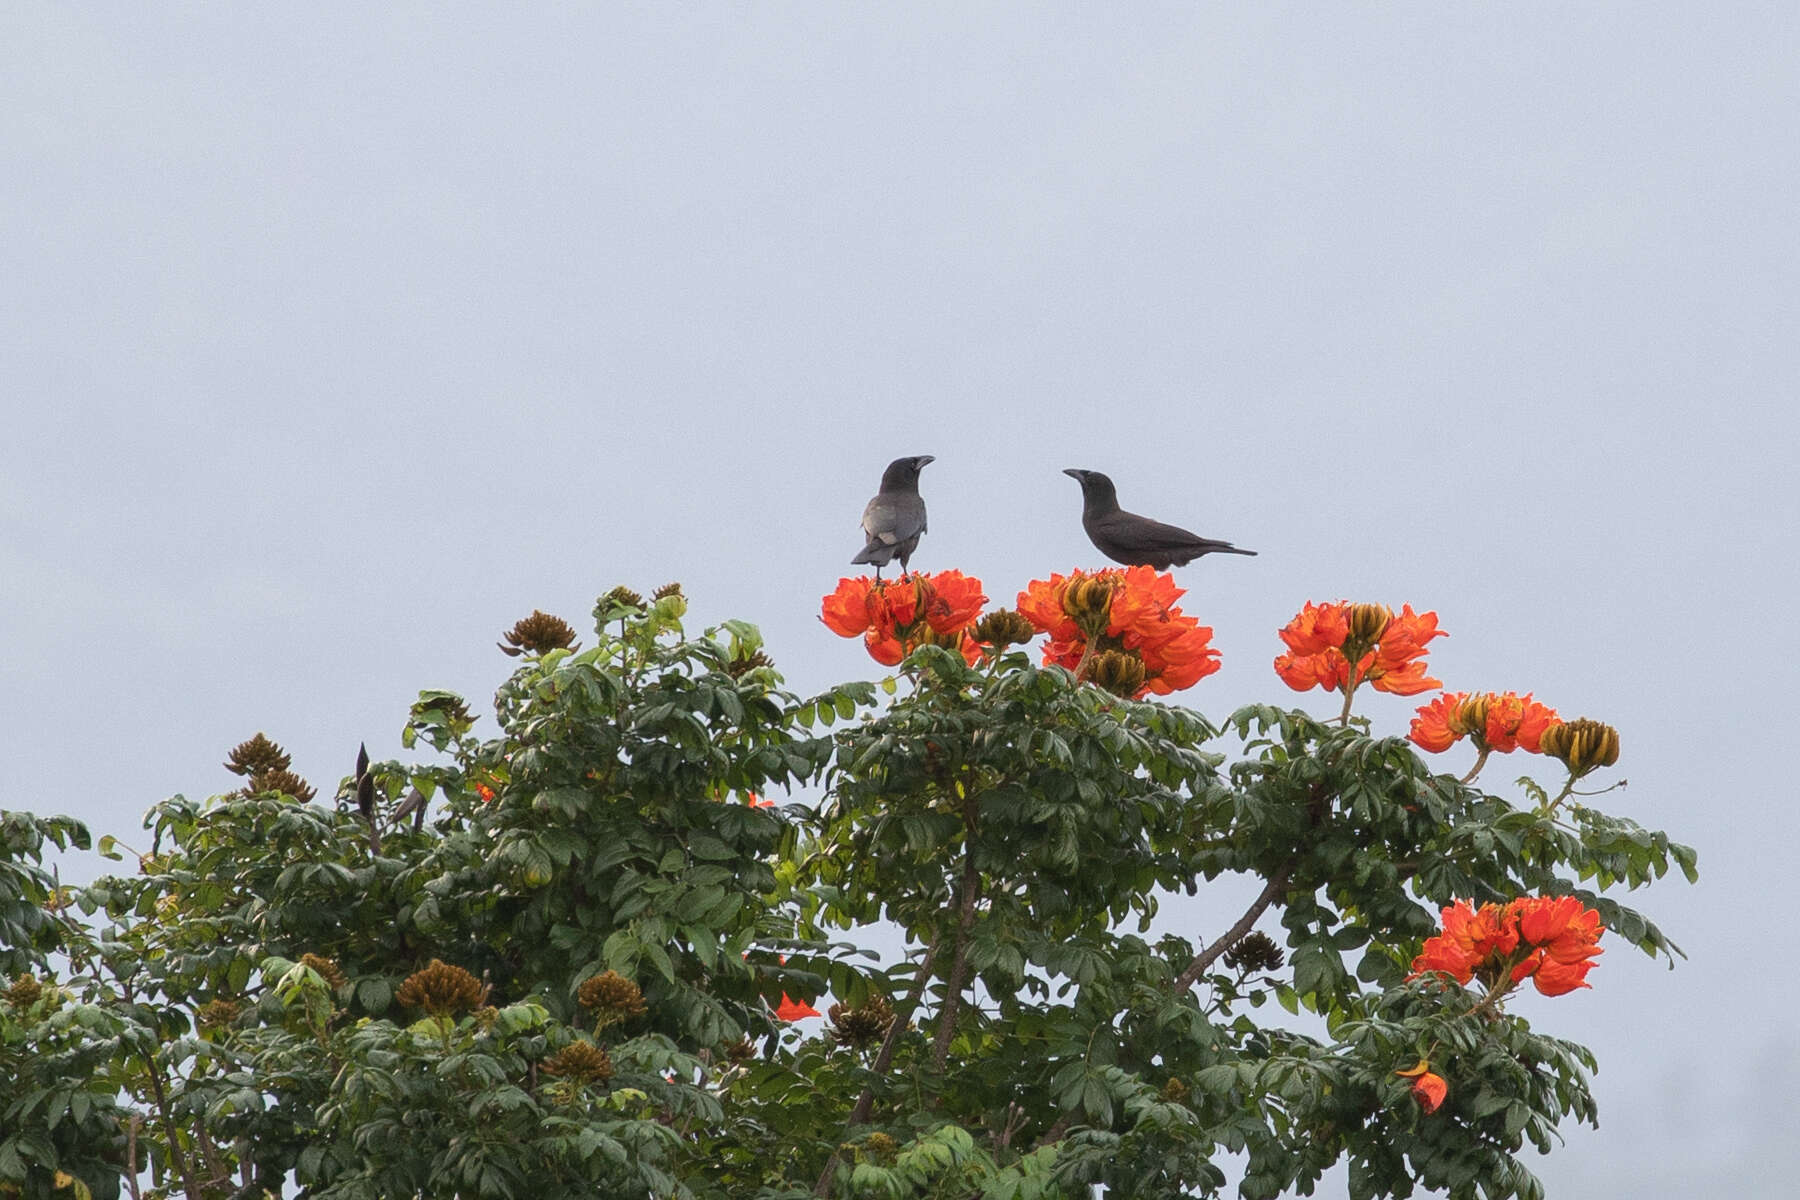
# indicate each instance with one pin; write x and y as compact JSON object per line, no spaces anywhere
{"x":877,"y":553}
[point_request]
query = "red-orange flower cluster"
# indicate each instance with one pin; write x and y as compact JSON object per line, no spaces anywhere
{"x":1551,"y":940}
{"x":1502,"y":721}
{"x":897,"y":616}
{"x":1341,"y":646}
{"x":1120,"y":627}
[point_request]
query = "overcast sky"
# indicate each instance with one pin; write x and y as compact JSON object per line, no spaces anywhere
{"x":332,"y":342}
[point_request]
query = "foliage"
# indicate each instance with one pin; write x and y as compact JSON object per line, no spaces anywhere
{"x":551,"y":962}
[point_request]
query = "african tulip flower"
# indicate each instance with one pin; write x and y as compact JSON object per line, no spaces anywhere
{"x":1502,"y":721}
{"x":896,"y":617}
{"x":1104,"y":624}
{"x":1341,"y":646}
{"x":1551,"y":940}
{"x":1428,"y":1087}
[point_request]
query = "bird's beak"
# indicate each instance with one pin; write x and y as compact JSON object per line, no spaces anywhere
{"x":919,"y":462}
{"x":1074,"y":472}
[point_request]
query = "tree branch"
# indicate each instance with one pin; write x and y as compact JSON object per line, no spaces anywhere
{"x":1271,"y":891}
{"x":884,"y":1058}
{"x":959,"y":960}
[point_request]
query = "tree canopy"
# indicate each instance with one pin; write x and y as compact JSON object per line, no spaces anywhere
{"x":586,"y":955}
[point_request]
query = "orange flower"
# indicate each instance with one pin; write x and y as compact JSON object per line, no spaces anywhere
{"x":485,"y":792}
{"x":1432,"y":728}
{"x":756,"y":801}
{"x":1389,"y":650}
{"x":896,"y":617}
{"x":1428,"y":1088}
{"x":1130,"y":610}
{"x":793,"y":1010}
{"x":1503,"y":721}
{"x":1471,"y":937}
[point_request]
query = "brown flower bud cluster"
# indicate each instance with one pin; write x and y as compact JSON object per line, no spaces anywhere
{"x":326,"y":968}
{"x":265,"y":765}
{"x":864,"y":1025}
{"x":580,"y":1063}
{"x":743,"y":664}
{"x":611,"y":998}
{"x":441,"y":990}
{"x":1255,"y":952}
{"x":217,"y":1014}
{"x":539,"y":633}
{"x":24,"y":992}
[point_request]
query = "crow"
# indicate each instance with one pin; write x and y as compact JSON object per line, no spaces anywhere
{"x":895,"y":518}
{"x":1133,"y":540}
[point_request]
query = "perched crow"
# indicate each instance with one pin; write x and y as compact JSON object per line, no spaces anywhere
{"x":1133,"y":540}
{"x":895,"y":518}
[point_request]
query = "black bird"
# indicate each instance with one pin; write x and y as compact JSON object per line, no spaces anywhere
{"x":1133,"y":540}
{"x":895,"y":518}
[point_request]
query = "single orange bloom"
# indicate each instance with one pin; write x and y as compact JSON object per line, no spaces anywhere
{"x":953,"y":600}
{"x":1317,"y":628}
{"x":896,"y":617}
{"x":1471,"y":938}
{"x":1041,"y":603}
{"x":485,"y":792}
{"x":793,"y":1010}
{"x":1129,"y":609}
{"x":1428,"y":1088}
{"x":1180,"y":662}
{"x":756,"y":801}
{"x":1431,"y":728}
{"x":1515,"y":721}
{"x":846,"y":610}
{"x":1563,"y":936}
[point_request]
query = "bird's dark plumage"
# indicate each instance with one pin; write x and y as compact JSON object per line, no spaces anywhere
{"x":895,"y":518}
{"x":1133,"y":540}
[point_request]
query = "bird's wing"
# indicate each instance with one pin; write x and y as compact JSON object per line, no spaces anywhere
{"x":1141,"y":533}
{"x":893,"y":519}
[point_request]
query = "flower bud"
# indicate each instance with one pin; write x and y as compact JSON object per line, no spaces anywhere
{"x":539,"y":633}
{"x":1120,"y":672}
{"x":441,"y":990}
{"x":580,"y":1063}
{"x":1368,"y":622}
{"x":1004,"y":628}
{"x":1583,"y":745}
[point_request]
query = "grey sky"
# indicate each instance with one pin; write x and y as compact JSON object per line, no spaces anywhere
{"x":334,"y":341}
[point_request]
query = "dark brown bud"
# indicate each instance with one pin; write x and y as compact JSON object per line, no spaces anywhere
{"x":256,"y":757}
{"x":217,"y":1014}
{"x":580,"y":1063}
{"x":743,"y":664}
{"x":327,"y":969}
{"x":285,"y":782}
{"x":863,"y":1025}
{"x":611,"y":997}
{"x":1255,"y":952}
{"x":539,"y":633}
{"x":24,"y":992}
{"x":441,"y":990}
{"x":665,"y":591}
